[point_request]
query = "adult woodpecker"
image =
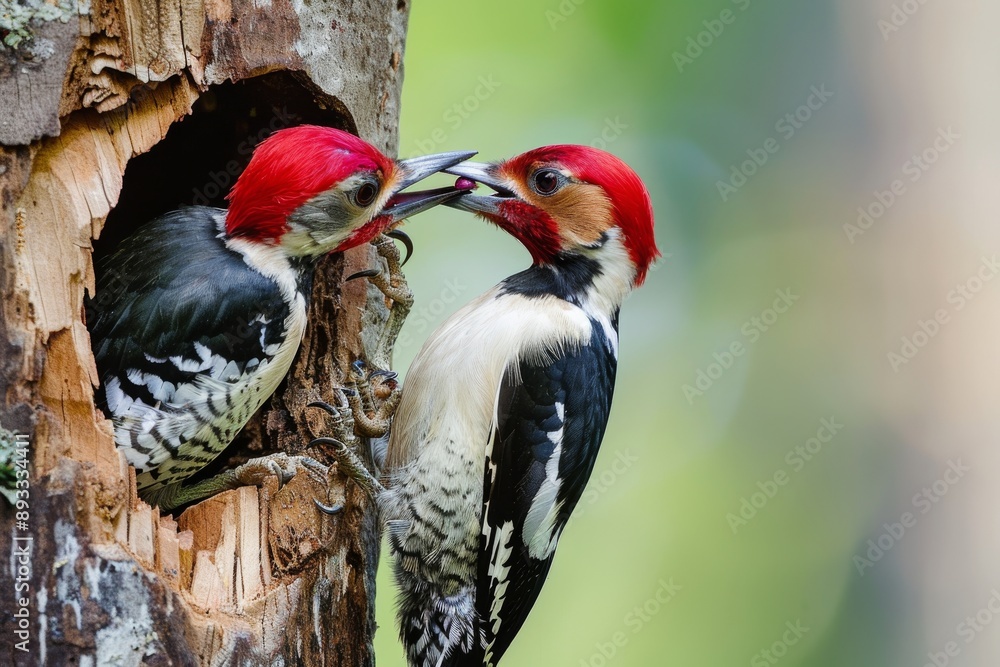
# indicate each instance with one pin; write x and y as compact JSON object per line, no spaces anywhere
{"x":198,"y":315}
{"x":505,"y":406}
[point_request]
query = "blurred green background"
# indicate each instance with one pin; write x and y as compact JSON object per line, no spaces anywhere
{"x":713,"y":523}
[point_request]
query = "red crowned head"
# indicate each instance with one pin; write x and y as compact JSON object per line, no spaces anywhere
{"x":314,"y":190}
{"x":567,"y":199}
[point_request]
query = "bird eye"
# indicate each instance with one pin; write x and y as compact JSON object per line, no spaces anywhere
{"x":365,"y":195}
{"x":546,"y":181}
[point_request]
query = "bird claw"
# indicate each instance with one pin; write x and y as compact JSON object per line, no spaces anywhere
{"x":360,"y":372}
{"x":252,"y":473}
{"x":359,"y":369}
{"x":281,"y":465}
{"x":367,"y":405}
{"x":336,"y":446}
{"x":367,"y":273}
{"x":357,"y":415}
{"x":342,"y":414}
{"x":324,"y":405}
{"x":328,"y":509}
{"x":351,"y":466}
{"x":392,"y":283}
{"x":374,"y":404}
{"x":403,"y":238}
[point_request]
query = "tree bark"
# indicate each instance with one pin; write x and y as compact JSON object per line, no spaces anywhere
{"x":92,"y":144}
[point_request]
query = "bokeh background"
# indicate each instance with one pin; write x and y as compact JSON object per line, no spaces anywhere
{"x":829,"y":496}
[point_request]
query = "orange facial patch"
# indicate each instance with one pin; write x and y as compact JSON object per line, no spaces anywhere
{"x":582,"y":211}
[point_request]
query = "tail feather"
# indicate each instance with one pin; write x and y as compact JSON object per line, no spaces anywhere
{"x":441,"y":631}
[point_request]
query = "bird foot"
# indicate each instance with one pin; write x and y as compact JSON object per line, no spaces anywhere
{"x":372,"y":397}
{"x":351,"y":466}
{"x":365,"y":410}
{"x":252,"y":473}
{"x":281,"y":465}
{"x":392,"y":283}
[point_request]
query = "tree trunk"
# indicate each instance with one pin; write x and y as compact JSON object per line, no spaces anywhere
{"x":110,"y":118}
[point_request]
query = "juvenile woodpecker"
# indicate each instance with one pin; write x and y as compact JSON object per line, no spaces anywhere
{"x":505,"y":406}
{"x":198,"y":315}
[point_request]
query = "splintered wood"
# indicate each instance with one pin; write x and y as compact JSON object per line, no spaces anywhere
{"x":220,"y":555}
{"x":75,"y":180}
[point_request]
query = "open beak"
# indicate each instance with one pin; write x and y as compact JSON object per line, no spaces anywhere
{"x":481,"y":173}
{"x":404,"y":204}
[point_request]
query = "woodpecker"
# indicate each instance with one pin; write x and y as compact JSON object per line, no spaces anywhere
{"x":505,"y":406}
{"x":198,"y":315}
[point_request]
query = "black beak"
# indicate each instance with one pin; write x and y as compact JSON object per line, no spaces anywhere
{"x":405,"y":204}
{"x":481,"y":173}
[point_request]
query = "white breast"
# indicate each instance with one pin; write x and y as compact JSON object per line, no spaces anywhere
{"x":442,"y":430}
{"x":451,"y":387}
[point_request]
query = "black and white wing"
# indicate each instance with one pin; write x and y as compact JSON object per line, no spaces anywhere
{"x":550,"y":421}
{"x":177,"y":320}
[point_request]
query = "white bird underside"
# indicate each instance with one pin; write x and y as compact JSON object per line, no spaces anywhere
{"x":442,"y":441}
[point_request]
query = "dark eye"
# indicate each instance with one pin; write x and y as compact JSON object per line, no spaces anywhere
{"x":365,"y":195}
{"x":546,"y":181}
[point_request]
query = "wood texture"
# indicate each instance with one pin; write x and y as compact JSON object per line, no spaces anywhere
{"x":252,"y":576}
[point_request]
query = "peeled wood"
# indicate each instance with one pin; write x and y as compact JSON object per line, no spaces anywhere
{"x":239,"y":577}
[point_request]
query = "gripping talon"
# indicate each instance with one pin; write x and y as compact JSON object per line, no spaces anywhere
{"x":385,"y":392}
{"x":277,"y":472}
{"x":328,"y":509}
{"x":402,"y":237}
{"x":332,"y":442}
{"x":351,"y":466}
{"x":323,"y":405}
{"x":367,"y":273}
